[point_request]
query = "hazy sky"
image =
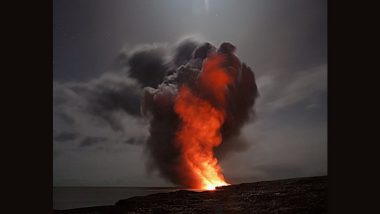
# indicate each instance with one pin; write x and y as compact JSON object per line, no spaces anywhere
{"x":284,"y":42}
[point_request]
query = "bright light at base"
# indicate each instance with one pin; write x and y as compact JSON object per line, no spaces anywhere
{"x":213,"y":187}
{"x":210,"y":187}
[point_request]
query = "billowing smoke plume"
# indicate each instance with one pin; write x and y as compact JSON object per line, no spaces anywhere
{"x":148,"y":81}
{"x":116,"y":92}
{"x":160,"y":103}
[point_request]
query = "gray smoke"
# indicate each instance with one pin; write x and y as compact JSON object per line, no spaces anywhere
{"x":158,"y":104}
{"x":145,"y":83}
{"x":119,"y":91}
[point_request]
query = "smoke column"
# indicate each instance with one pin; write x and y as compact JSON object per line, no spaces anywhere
{"x":204,"y":100}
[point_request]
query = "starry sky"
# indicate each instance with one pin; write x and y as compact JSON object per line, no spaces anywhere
{"x":284,"y":42}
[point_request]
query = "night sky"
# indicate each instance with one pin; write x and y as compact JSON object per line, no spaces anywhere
{"x":284,"y":42}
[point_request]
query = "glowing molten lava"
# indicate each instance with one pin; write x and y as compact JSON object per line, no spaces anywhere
{"x":201,"y":120}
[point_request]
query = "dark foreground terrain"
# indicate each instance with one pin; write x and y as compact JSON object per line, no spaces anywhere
{"x":297,"y":195}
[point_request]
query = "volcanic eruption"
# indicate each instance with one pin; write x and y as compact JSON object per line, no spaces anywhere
{"x":202,"y":103}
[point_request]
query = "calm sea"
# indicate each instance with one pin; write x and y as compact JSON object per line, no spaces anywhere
{"x":76,"y":197}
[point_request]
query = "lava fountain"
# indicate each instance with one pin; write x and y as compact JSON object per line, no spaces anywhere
{"x":197,"y":112}
{"x":201,"y":121}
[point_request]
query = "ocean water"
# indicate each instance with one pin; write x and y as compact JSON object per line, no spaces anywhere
{"x":77,"y":197}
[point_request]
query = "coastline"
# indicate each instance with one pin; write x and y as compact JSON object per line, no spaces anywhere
{"x":295,"y":195}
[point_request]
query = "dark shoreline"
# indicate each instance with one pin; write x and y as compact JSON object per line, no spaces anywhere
{"x":296,"y":195}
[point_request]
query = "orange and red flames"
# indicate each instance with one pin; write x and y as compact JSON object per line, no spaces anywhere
{"x":201,"y":120}
{"x":196,"y":112}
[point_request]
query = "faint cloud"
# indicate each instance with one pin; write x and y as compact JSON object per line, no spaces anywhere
{"x":277,"y":92}
{"x":90,"y":141}
{"x":65,"y":136}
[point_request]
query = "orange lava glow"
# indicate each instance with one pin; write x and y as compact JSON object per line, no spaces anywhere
{"x":201,"y":121}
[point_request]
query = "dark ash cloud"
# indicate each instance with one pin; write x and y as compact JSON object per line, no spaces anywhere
{"x":146,"y":82}
{"x":148,"y":66}
{"x":184,"y":50}
{"x":108,"y":95}
{"x":158,"y":104}
{"x":121,"y":90}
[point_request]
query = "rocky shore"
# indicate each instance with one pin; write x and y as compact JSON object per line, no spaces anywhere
{"x":297,"y":195}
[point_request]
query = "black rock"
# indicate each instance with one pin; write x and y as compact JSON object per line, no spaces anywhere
{"x":297,"y":195}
